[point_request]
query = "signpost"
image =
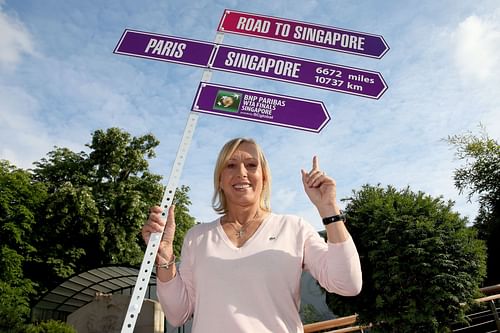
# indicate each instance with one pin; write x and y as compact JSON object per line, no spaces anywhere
{"x":261,"y":107}
{"x":239,"y":60}
{"x":315,"y":35}
{"x":279,"y":110}
{"x":165,"y":48}
{"x":300,"y":71}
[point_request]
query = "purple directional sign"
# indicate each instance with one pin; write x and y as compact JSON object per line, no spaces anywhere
{"x":301,"y":71}
{"x":257,"y":106}
{"x":233,"y":59}
{"x":164,"y":48}
{"x":309,"y":34}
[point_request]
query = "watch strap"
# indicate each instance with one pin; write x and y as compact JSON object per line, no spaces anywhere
{"x":335,"y":218}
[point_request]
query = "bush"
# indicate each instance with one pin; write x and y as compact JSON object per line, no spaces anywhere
{"x":419,"y":261}
{"x":51,"y":326}
{"x":14,"y":308}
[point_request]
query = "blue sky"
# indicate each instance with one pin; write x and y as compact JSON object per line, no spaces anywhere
{"x":60,"y":81}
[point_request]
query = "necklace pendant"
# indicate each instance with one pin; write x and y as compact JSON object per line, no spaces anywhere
{"x":240,"y":233}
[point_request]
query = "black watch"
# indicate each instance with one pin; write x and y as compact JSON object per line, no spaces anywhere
{"x":334,"y":218}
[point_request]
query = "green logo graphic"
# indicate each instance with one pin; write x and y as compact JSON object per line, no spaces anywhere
{"x":228,"y":101}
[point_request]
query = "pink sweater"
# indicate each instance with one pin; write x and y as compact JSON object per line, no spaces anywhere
{"x":255,"y":288}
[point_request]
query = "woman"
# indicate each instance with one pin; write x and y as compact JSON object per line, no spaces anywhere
{"x":241,"y":272}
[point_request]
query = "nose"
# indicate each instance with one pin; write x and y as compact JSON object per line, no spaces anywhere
{"x":242,"y":170}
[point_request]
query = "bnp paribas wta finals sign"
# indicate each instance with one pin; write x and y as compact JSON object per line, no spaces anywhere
{"x":257,"y":106}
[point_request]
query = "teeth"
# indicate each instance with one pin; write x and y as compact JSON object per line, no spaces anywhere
{"x":241,"y":186}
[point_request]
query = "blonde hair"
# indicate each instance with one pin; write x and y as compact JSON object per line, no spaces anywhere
{"x":219,"y":202}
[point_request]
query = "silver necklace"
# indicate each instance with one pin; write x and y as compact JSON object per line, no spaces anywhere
{"x":241,"y":231}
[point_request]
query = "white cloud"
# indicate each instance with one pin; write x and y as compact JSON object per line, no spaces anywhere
{"x":23,"y":137}
{"x":477,"y":42}
{"x":15,"y":40}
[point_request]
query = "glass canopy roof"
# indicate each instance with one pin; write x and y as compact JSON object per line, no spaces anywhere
{"x":82,"y":288}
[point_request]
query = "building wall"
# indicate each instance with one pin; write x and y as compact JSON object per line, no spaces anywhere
{"x":107,"y":313}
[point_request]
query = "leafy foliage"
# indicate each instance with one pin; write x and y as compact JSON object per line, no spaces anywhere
{"x":75,"y":212}
{"x":481,"y":176}
{"x":481,"y":173}
{"x":309,"y":314}
{"x":14,"y":305}
{"x":96,"y":205}
{"x":50,"y":326}
{"x":20,"y":200}
{"x":419,"y":261}
{"x":183,"y":220}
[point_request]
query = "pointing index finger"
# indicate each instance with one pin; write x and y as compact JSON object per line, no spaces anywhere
{"x":315,"y":163}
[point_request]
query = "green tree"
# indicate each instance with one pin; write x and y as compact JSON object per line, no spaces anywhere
{"x":97,"y":203}
{"x":20,"y":201}
{"x":481,"y":176}
{"x":14,"y":297}
{"x":74,"y":212}
{"x":419,"y":261}
{"x":183,"y":220}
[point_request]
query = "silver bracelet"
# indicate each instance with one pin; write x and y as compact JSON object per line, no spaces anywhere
{"x":166,"y":265}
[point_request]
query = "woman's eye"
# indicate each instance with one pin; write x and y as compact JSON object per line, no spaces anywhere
{"x":252,"y":165}
{"x":230,"y":165}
